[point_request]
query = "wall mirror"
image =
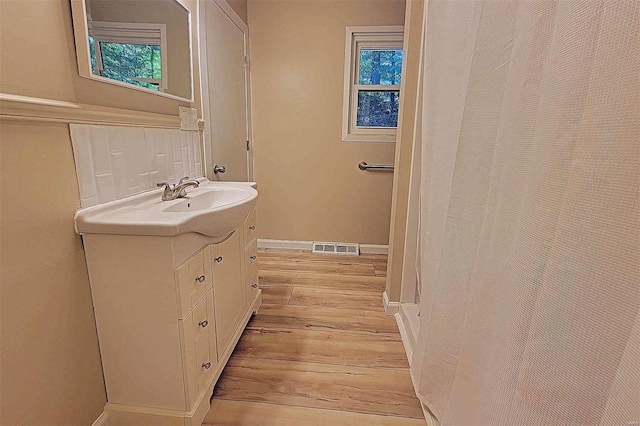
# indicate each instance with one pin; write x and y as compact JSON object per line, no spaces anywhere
{"x":141,"y":44}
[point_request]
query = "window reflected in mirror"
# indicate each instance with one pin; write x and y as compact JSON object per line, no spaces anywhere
{"x":144,"y":43}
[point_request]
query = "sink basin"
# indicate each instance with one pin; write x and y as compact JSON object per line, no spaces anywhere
{"x":214,"y":209}
{"x":211,"y":199}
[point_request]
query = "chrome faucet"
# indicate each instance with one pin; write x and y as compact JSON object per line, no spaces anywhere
{"x":171,"y":192}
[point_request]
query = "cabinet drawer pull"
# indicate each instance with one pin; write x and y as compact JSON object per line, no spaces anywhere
{"x":218,"y":259}
{"x":254,"y":257}
{"x":252,"y":228}
{"x":200,"y":279}
{"x":206,"y":365}
{"x":254,"y":285}
{"x":203,"y":323}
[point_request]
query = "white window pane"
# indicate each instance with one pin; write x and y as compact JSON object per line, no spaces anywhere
{"x":380,"y":66}
{"x":131,"y":63}
{"x":378,"y":108}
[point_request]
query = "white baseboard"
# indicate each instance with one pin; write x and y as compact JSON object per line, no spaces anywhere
{"x":285,"y":244}
{"x":374,"y":249}
{"x":407,"y":342}
{"x":390,"y":308}
{"x":102,"y":420}
{"x":409,"y":346}
{"x":308,"y":246}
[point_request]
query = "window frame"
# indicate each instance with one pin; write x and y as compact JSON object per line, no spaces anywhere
{"x":357,"y":39}
{"x":131,"y":33}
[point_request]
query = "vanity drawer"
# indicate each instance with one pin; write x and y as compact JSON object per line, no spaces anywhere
{"x":251,"y":253}
{"x":252,"y":282}
{"x":193,"y":279}
{"x":251,"y":269}
{"x":198,"y":333}
{"x":250,"y":227}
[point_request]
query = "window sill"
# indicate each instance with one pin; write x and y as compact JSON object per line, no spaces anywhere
{"x":369,"y":138}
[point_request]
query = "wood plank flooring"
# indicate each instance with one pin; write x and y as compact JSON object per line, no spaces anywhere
{"x":320,"y":351}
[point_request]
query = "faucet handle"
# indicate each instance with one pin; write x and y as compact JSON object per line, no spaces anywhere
{"x":168,"y":189}
{"x":167,"y":194}
{"x":184,"y":179}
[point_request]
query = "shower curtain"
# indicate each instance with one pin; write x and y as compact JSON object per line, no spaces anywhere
{"x":530,"y":213}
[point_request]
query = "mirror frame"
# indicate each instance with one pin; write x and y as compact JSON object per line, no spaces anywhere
{"x":83,"y":56}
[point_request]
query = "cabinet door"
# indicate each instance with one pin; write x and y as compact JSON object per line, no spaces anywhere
{"x":227,"y":288}
{"x":251,"y":271}
{"x":198,"y":330}
{"x":249,"y":227}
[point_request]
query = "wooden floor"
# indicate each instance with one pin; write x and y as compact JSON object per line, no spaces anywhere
{"x":320,"y":351}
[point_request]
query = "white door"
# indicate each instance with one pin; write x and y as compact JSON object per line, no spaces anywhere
{"x":225,"y":92}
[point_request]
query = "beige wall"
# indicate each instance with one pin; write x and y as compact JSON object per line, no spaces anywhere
{"x":240,"y":7}
{"x":310,"y":186}
{"x":49,"y":361}
{"x":51,"y":370}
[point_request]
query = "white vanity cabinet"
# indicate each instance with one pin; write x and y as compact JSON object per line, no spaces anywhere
{"x":169,"y":311}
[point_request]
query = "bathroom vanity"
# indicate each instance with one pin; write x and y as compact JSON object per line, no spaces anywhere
{"x":170,"y":302}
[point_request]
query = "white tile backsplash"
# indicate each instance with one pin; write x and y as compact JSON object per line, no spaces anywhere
{"x":115,"y":162}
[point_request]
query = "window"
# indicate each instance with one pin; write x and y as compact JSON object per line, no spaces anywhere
{"x":132,"y":53}
{"x":373,"y":67}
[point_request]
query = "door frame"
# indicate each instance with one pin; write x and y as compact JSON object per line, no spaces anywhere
{"x":204,"y":78}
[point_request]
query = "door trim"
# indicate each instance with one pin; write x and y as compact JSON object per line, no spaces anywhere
{"x":228,"y":10}
{"x":204,"y":78}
